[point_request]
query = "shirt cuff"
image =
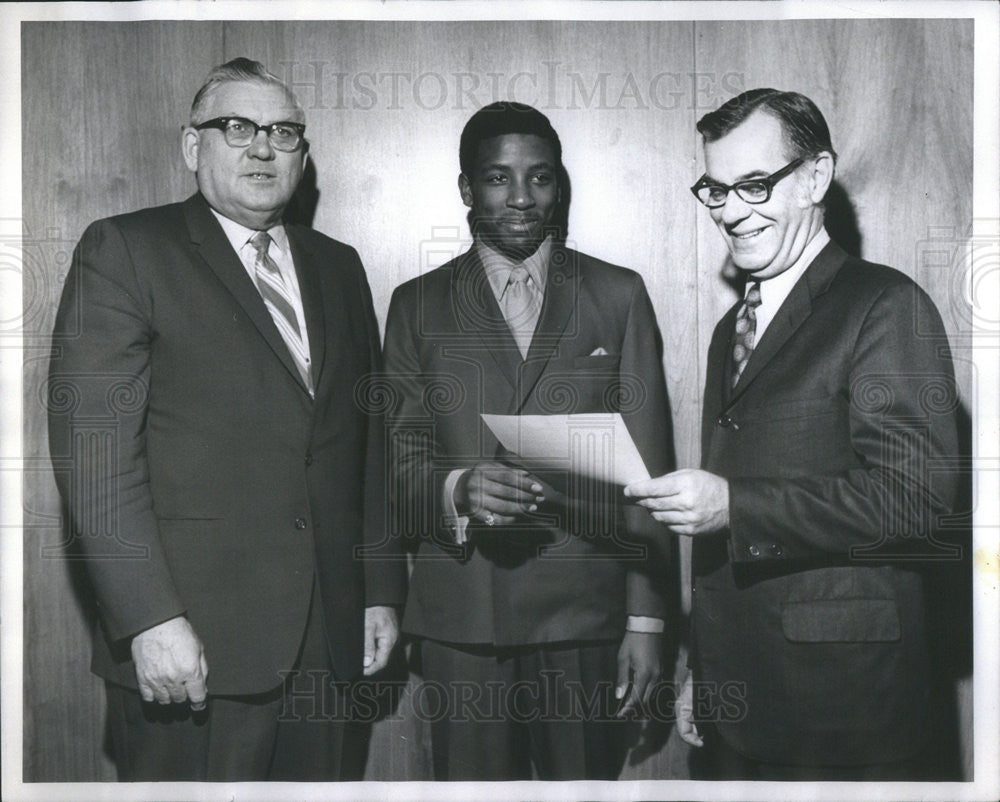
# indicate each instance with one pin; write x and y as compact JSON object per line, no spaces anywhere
{"x":644,"y":623}
{"x":457,"y":523}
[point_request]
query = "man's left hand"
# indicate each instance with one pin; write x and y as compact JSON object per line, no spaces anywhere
{"x":638,"y":661}
{"x":381,"y":632}
{"x":689,"y":502}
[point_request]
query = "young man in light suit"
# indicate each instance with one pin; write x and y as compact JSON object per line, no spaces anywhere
{"x":528,"y":592}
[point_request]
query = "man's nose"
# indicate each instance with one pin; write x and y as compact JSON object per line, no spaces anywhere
{"x":260,"y":146}
{"x":519,"y":196}
{"x":734,"y":209}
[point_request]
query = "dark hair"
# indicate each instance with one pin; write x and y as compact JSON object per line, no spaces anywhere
{"x":234,"y":71}
{"x":498,"y":119}
{"x":805,"y":131}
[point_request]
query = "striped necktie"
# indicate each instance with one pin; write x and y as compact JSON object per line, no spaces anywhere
{"x":277,"y":299}
{"x":746,"y":331}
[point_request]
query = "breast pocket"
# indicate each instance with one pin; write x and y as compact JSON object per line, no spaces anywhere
{"x":578,"y":385}
{"x":600,"y":363}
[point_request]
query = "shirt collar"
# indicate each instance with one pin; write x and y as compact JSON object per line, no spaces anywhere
{"x":498,"y":266}
{"x":774,"y":290}
{"x":238,"y":235}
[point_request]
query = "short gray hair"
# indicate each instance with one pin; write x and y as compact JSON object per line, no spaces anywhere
{"x":237,"y":70}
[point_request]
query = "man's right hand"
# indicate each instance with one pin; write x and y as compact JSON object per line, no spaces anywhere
{"x":170,"y":664}
{"x":684,"y":713}
{"x":495,"y":492}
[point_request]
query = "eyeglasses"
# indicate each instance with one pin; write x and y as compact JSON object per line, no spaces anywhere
{"x":240,"y":132}
{"x":754,"y":190}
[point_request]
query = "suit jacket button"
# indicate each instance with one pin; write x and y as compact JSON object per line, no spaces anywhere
{"x":776,"y":549}
{"x":755,"y":550}
{"x":309,"y":458}
{"x":724,"y":421}
{"x":300,"y":523}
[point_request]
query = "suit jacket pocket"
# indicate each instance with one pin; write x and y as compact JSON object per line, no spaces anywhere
{"x":841,"y":620}
{"x":597,"y":362}
{"x":577,"y":385}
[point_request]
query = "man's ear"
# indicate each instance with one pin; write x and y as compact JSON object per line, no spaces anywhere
{"x":189,"y":148}
{"x":821,"y":176}
{"x":465,"y":188}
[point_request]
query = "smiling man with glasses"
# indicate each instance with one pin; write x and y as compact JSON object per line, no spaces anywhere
{"x":222,"y":526}
{"x":824,"y":411}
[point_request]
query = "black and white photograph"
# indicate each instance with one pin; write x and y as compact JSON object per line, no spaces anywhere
{"x":458,"y":400}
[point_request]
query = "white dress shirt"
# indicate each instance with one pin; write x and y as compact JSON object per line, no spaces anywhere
{"x":774,"y":290}
{"x":498,"y":266}
{"x":279,"y":251}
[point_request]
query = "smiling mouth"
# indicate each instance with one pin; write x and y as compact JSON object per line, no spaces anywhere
{"x":746,"y":236}
{"x":259,"y":176}
{"x":520,"y":225}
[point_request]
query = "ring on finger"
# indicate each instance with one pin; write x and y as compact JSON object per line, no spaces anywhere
{"x":489,"y":520}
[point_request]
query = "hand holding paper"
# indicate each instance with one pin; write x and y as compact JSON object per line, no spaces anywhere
{"x":689,"y":502}
{"x":598,"y":446}
{"x":497,"y":494}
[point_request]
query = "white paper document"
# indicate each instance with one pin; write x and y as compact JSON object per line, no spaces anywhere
{"x":597,"y":445}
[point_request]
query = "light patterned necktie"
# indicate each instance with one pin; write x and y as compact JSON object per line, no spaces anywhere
{"x":746,"y":331}
{"x":521,"y":304}
{"x":271,"y":285}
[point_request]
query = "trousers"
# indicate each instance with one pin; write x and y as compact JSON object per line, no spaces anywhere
{"x":294,"y":732}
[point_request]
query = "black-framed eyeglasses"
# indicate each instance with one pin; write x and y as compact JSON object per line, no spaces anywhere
{"x":753,"y":190}
{"x":240,"y":132}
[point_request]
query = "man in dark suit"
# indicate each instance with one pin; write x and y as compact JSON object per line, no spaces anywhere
{"x":534,"y":610}
{"x":222,"y":522}
{"x":827,"y":433}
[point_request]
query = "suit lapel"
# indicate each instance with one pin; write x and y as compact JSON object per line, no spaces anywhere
{"x":310,"y":288}
{"x":791,"y":314}
{"x":477,"y":311}
{"x":561,"y":293}
{"x":717,"y":390}
{"x":214,"y":248}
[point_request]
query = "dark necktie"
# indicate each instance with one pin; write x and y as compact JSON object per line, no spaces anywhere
{"x":746,"y":331}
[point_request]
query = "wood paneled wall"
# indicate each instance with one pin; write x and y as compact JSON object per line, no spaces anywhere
{"x":385,"y":102}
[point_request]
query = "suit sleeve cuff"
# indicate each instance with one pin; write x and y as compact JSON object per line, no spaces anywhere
{"x":455,"y":522}
{"x":644,"y":623}
{"x":747,"y":544}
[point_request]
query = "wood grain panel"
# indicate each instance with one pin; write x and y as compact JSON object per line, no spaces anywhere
{"x":102,"y":109}
{"x":625,"y":122}
{"x":385,"y":104}
{"x":392,"y":195}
